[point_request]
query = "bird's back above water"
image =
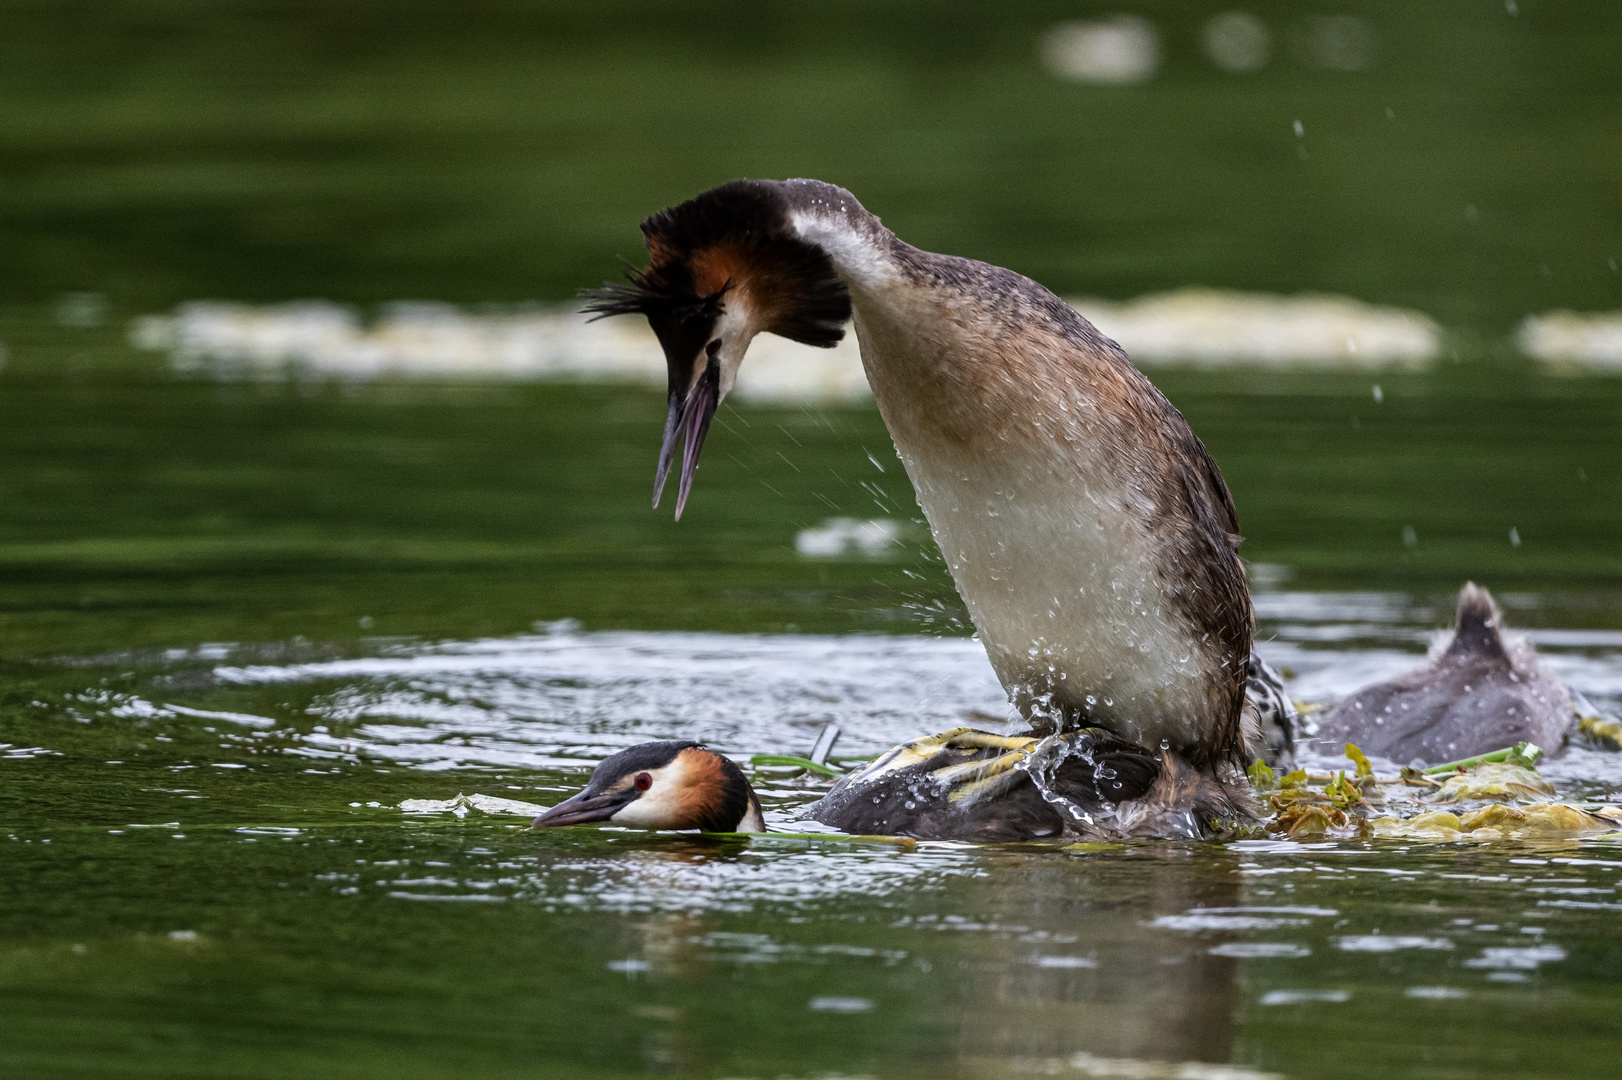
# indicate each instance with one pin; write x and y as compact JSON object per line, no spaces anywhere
{"x":1087,"y":529}
{"x":1483,"y":692}
{"x":980,"y":787}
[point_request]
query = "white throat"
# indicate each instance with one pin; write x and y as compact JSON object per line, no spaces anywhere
{"x":736,"y":328}
{"x":861,"y":261}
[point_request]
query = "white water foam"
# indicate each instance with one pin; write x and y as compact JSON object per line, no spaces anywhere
{"x":1219,"y":328}
{"x":316,"y":339}
{"x":1568,"y":339}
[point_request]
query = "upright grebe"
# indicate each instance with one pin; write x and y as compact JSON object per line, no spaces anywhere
{"x":664,"y":785}
{"x":1086,"y":527}
{"x":1482,"y":692}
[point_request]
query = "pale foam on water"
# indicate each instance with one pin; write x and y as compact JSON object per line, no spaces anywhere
{"x":317,"y":339}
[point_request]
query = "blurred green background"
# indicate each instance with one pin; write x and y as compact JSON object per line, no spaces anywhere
{"x":164,"y":150}
{"x":1460,"y":159}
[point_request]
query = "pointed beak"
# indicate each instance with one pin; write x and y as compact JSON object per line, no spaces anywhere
{"x":581,"y":809}
{"x":688,"y":421}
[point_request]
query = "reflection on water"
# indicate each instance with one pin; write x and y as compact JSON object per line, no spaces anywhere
{"x":764,"y":957}
{"x":252,"y":804}
{"x":1143,"y":993}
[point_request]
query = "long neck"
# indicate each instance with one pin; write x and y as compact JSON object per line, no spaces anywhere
{"x":1085,"y":525}
{"x":964,"y":354}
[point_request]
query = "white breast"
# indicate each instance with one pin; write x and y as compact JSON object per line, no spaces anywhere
{"x":1061,"y":584}
{"x":1049,"y":540}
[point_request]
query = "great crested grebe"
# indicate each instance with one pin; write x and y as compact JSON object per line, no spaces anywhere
{"x":1482,"y":692}
{"x":663,"y":785}
{"x":1087,"y":529}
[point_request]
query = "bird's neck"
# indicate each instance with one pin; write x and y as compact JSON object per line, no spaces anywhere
{"x":963,"y":356}
{"x":862,"y":249}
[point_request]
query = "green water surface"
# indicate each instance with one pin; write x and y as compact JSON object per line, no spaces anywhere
{"x":209,"y":893}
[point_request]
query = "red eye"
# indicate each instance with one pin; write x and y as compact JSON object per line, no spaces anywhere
{"x":643,"y":781}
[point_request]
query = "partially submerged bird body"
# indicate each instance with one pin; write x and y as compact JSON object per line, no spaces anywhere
{"x":663,"y":785}
{"x":1483,"y":691}
{"x":1087,"y":529}
{"x":972,"y":785}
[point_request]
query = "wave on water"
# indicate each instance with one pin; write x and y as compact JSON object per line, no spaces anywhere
{"x":555,"y":699}
{"x":547,"y":700}
{"x":564,"y":697}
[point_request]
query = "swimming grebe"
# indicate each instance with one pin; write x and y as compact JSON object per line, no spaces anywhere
{"x":664,"y":785}
{"x":1482,"y":692}
{"x":1087,"y":529}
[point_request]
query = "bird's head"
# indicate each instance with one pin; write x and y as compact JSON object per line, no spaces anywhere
{"x":722,"y":268}
{"x":664,"y":785}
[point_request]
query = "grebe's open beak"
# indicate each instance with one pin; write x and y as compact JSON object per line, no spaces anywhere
{"x":584,"y":808}
{"x":689,"y":421}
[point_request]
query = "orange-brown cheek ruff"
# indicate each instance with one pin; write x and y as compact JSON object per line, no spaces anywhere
{"x":725,"y":262}
{"x":669,"y":785}
{"x":714,"y":795}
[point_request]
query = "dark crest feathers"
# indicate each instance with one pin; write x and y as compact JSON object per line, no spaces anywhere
{"x":801,"y":295}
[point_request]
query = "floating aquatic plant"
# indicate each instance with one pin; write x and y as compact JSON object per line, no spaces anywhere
{"x":1364,"y":769}
{"x":1261,"y":775}
{"x":805,"y":764}
{"x":1344,"y":792}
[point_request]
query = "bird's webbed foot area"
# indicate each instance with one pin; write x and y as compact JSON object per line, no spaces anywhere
{"x":1085,"y":774}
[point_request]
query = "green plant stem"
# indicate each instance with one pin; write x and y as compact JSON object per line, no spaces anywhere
{"x":790,"y":759}
{"x":1525,"y":750}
